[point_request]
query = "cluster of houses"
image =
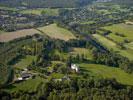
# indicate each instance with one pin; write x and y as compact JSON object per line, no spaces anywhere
{"x":25,"y":74}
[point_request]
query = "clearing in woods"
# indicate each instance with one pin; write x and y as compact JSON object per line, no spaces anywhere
{"x":82,"y":51}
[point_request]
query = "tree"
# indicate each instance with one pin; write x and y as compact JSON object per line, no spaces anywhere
{"x":69,"y":61}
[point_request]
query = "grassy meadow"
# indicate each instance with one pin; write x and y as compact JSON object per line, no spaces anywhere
{"x":25,"y":62}
{"x":129,"y":45}
{"x":82,"y":51}
{"x":56,"y":32}
{"x":125,"y":29}
{"x":103,"y":71}
{"x":112,"y":45}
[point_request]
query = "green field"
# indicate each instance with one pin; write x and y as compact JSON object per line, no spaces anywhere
{"x":104,"y":12}
{"x":112,"y":45}
{"x":116,"y":38}
{"x":56,"y":32}
{"x":29,"y":86}
{"x":129,"y":45}
{"x":109,"y":9}
{"x":86,"y":22}
{"x":107,"y":72}
{"x":82,"y":51}
{"x":56,"y":75}
{"x":109,"y":44}
{"x":25,"y":62}
{"x":47,"y":11}
{"x":122,"y":28}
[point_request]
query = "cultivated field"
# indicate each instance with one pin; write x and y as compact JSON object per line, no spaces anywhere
{"x":124,"y":29}
{"x":112,"y":45}
{"x":8,"y":36}
{"x":109,"y":44}
{"x":129,"y":45}
{"x":107,"y":72}
{"x":57,"y":32}
{"x":120,"y":33}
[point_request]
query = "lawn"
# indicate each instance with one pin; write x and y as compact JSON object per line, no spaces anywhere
{"x":47,"y":11}
{"x":29,"y":86}
{"x":25,"y":62}
{"x":103,"y":71}
{"x":56,"y":32}
{"x":112,"y":45}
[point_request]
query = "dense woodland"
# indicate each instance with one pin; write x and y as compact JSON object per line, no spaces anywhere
{"x":76,"y":90}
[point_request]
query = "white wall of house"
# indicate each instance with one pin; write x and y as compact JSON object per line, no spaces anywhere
{"x":74,"y":67}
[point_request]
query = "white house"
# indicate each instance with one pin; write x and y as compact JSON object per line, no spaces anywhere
{"x":74,"y":67}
